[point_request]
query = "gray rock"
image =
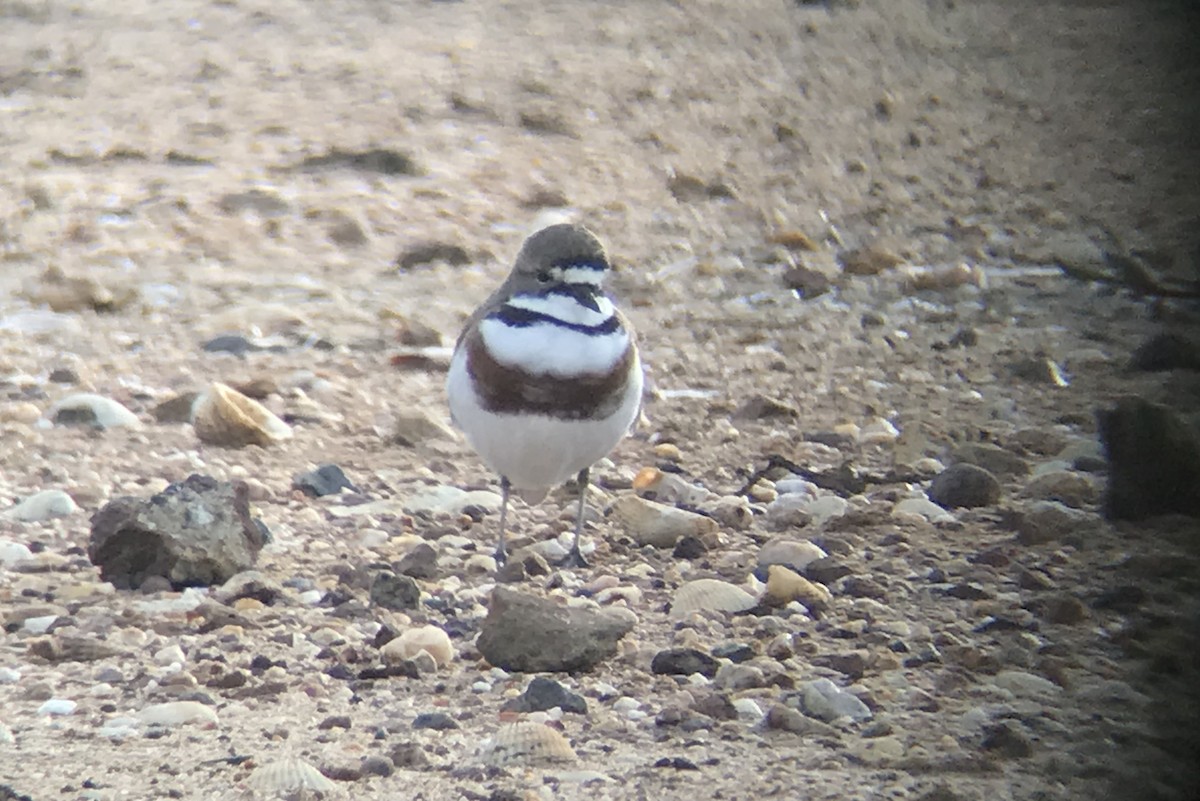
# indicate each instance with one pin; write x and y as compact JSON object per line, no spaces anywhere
{"x":1064,"y":486}
{"x":964,"y":485}
{"x":684,"y":662}
{"x":738,"y":677}
{"x":1007,"y":739}
{"x":394,"y":592}
{"x":544,"y":693}
{"x":249,"y":584}
{"x":526,"y":633}
{"x":824,"y":700}
{"x":1154,"y":461}
{"x":195,"y":532}
{"x":420,"y":562}
{"x":784,"y":718}
{"x":328,"y":479}
{"x":1048,"y":521}
{"x":996,"y":460}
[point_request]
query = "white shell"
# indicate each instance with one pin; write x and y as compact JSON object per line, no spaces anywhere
{"x":108,"y":413}
{"x":288,"y":775}
{"x":526,"y":743}
{"x":657,"y":524}
{"x":176,"y":713}
{"x":710,"y":595}
{"x":223,"y":416}
{"x":430,"y":639}
{"x":785,"y":585}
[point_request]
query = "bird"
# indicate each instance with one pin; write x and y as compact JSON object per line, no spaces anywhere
{"x":545,"y":379}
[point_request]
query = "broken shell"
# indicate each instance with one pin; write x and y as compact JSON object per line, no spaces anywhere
{"x":86,"y":408}
{"x":785,"y":585}
{"x":287,"y":776}
{"x":710,"y":595}
{"x":664,"y":487}
{"x":223,"y":416}
{"x":429,"y":639}
{"x":526,"y":743}
{"x":176,"y":713}
{"x":650,"y":523}
{"x":795,"y":554}
{"x":731,"y":511}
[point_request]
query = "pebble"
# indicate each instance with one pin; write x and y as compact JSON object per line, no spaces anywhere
{"x":57,"y":706}
{"x":1042,"y":522}
{"x":964,"y":485}
{"x":177,"y":713}
{"x":327,"y":479}
{"x":824,"y":700}
{"x":44,"y":505}
{"x":795,"y":554}
{"x":92,"y":410}
{"x":1065,"y":486}
{"x":996,"y":460}
{"x":22,"y":412}
{"x":923,"y":508}
{"x":684,"y":662}
{"x":710,"y":595}
{"x":450,"y":499}
{"x":658,"y":525}
{"x":429,"y":639}
{"x":785,"y":585}
{"x":12,"y":553}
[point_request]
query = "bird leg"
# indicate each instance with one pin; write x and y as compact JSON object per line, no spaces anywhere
{"x":575,"y":558}
{"x":501,"y":553}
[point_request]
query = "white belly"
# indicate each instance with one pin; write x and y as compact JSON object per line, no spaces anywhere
{"x":537,"y":451}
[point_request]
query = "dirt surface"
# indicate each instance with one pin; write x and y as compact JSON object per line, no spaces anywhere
{"x":340,"y":183}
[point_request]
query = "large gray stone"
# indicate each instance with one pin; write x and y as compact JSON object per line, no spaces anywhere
{"x":195,"y":532}
{"x":527,"y":633}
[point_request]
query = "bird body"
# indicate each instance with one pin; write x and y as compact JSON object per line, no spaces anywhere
{"x":545,"y":379}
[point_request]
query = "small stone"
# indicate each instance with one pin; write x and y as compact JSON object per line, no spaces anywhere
{"x":375,"y":765}
{"x":397,"y":593}
{"x":684,"y":662}
{"x":1048,"y":521}
{"x":429,"y":252}
{"x":762,"y":407}
{"x":785,"y":585}
{"x":964,"y":485}
{"x":794,"y":554}
{"x":996,"y":460}
{"x":1064,"y":486}
{"x":236,"y":344}
{"x":806,"y":282}
{"x":1154,"y":461}
{"x":689,"y":547}
{"x":824,"y":700}
{"x":922,"y":508}
{"x":92,"y":410}
{"x":1063,"y":609}
{"x":55,"y":707}
{"x":526,"y":633}
{"x":544,"y":694}
{"x":784,"y":718}
{"x":249,"y":584}
{"x":176,"y":409}
{"x":44,"y":505}
{"x":710,"y":595}
{"x":419,"y":563}
{"x":328,"y":479}
{"x":334,"y":722}
{"x":870,"y":260}
{"x":196,"y":532}
{"x":733,"y":677}
{"x":22,"y":412}
{"x":409,"y":756}
{"x":1008,"y":740}
{"x":437,"y":721}
{"x":414,"y":427}
{"x":852,"y":664}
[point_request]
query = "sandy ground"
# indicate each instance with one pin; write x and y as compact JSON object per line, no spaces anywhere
{"x":270,"y":169}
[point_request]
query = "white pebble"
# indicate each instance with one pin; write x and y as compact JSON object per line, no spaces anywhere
{"x":625,"y":704}
{"x":44,"y":505}
{"x":9,"y":675}
{"x":748,"y":710}
{"x":57,"y":706}
{"x":171,"y":655}
{"x":481,"y":687}
{"x":13,"y":552}
{"x":40,"y":624}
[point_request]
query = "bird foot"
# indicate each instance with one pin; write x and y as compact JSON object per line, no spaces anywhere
{"x":574,"y":559}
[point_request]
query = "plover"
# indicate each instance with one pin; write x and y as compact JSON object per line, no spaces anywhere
{"x":545,"y":379}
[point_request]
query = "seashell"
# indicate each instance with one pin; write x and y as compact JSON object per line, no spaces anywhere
{"x":785,"y":585}
{"x":650,"y":482}
{"x":223,"y":416}
{"x":286,"y":776}
{"x":86,"y":408}
{"x":176,"y":713}
{"x":710,"y":595}
{"x":526,"y":743}
{"x":650,"y":523}
{"x":430,"y":639}
{"x":796,"y":554}
{"x":731,"y":511}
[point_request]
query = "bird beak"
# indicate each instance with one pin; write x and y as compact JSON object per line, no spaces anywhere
{"x":584,"y":294}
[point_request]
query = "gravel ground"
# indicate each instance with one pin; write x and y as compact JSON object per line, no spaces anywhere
{"x":865,"y":244}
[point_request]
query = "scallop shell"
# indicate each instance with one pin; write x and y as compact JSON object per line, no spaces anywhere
{"x":710,"y":595}
{"x":657,"y":524}
{"x":785,"y":585}
{"x":286,"y":777}
{"x":526,"y":743}
{"x":223,"y":416}
{"x":429,"y":639}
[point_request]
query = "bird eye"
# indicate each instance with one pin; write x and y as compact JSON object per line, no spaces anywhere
{"x":544,"y":277}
